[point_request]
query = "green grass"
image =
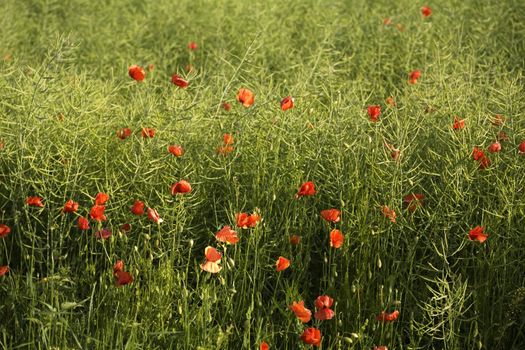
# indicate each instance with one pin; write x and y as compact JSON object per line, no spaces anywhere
{"x":70,"y":58}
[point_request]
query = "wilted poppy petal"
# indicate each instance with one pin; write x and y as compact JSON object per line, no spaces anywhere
{"x":105,"y":233}
{"x":295,"y":239}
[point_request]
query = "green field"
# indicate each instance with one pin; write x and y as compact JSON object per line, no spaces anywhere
{"x":422,"y":282}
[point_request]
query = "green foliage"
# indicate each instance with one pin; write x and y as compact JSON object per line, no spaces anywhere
{"x":65,"y":91}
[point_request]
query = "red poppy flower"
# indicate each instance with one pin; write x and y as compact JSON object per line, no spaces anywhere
{"x":97,"y":213}
{"x":426,"y":11}
{"x":70,"y":207}
{"x":477,"y":234}
{"x":227,"y":106}
{"x":124,"y":133}
{"x":136,"y":72}
{"x":495,"y":147}
{"x":105,"y":233}
{"x":245,"y":220}
{"x":521,"y":147}
{"x":228,"y":139}
{"x":4,"y":230}
{"x":389,"y":213}
{"x":83,"y":223}
{"x":119,"y":266}
{"x":390,"y":101}
{"x":311,"y":336}
{"x":35,"y":201}
{"x":301,"y":312}
{"x":213,"y":258}
{"x":374,"y":112}
{"x":323,"y":301}
{"x":154,"y":216}
{"x":295,"y":239}
{"x":395,"y":153}
{"x":414,"y":76}
{"x":264,"y":346}
{"x":138,"y":208}
{"x":227,"y":235}
{"x":246,"y":97}
{"x":3,"y":270}
{"x":413,"y":200}
{"x":477,"y":153}
{"x":287,"y":103}
{"x":125,"y":228}
{"x":484,"y":162}
{"x":176,"y":150}
{"x":323,"y":304}
{"x":458,"y":123}
{"x":192,"y":46}
{"x":332,"y":215}
{"x":225,"y":150}
{"x":307,"y":189}
{"x":282,"y":264}
{"x":498,"y":120}
{"x":336,"y":239}
{"x":101,"y":198}
{"x":380,"y":347}
{"x":182,"y":186}
{"x":388,"y":317}
{"x":179,"y":81}
{"x":148,"y":133}
{"x":123,"y":278}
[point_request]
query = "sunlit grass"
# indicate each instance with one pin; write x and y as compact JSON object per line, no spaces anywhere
{"x":65,"y":92}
